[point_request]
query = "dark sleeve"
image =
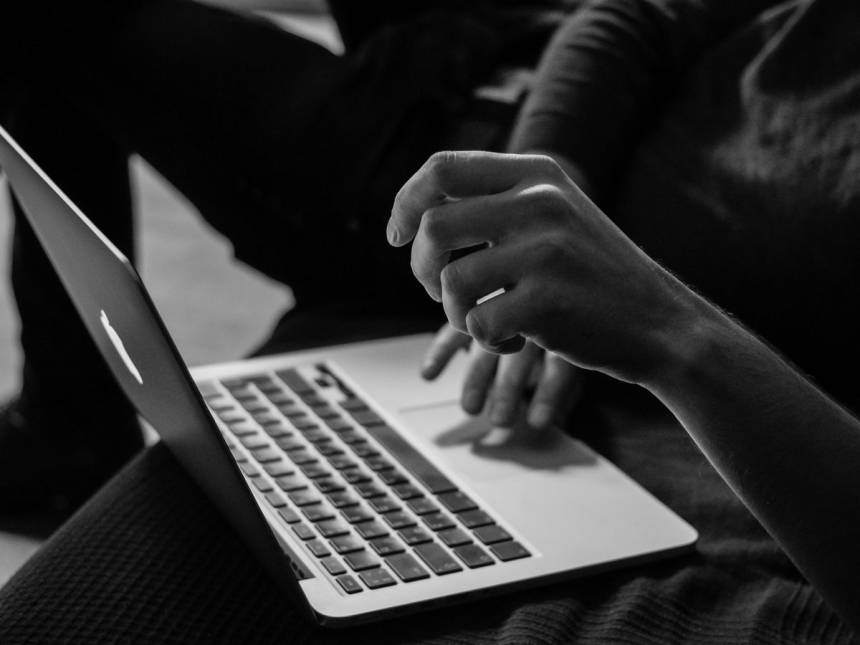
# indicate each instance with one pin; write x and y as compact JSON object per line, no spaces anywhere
{"x":36,"y":38}
{"x":607,"y":69}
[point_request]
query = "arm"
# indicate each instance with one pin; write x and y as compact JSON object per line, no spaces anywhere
{"x":576,"y":285}
{"x":607,"y":70}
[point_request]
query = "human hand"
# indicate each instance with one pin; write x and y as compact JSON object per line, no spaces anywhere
{"x":572,"y":282}
{"x":540,"y":386}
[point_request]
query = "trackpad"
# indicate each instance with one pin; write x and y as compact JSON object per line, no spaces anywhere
{"x":473,"y":448}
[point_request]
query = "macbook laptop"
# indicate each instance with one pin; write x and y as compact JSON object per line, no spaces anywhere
{"x":363,"y":490}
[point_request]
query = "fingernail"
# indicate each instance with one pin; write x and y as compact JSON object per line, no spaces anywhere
{"x":501,"y":414}
{"x":472,"y":402}
{"x":540,"y":415}
{"x":392,"y":233}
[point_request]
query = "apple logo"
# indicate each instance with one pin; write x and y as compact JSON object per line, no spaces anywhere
{"x":120,"y":348}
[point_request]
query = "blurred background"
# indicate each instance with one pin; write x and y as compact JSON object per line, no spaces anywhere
{"x":215,"y":308}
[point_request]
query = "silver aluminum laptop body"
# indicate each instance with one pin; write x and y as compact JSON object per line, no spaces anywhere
{"x":559,"y":509}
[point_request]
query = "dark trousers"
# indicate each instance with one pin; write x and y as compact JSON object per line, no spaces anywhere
{"x":291,"y":152}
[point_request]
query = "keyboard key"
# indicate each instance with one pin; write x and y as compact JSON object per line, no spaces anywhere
{"x":369,"y":490}
{"x":342,"y":499}
{"x":278,"y":431}
{"x":315,"y":470}
{"x":250,"y":469}
{"x":266,"y":418}
{"x":243,"y":429}
{"x":278,"y":469}
{"x":457,"y":502}
{"x":208,"y":389}
{"x":262,"y":485}
{"x":398,"y":519}
{"x":290,"y":483}
{"x":338,"y":424}
{"x":317,"y":436}
{"x":300,"y":457}
{"x":361,"y":560}
{"x":473,"y":519}
{"x":231,"y":416}
{"x":376,"y":578}
{"x":422,"y":506}
{"x":292,"y":412}
{"x":356,"y":514}
{"x":391,"y":477}
{"x":353,"y":404}
{"x":279,"y":398}
{"x":355,"y":476}
{"x":290,"y":444}
{"x":319,"y":549}
{"x":406,"y":567}
{"x":492,"y":534}
{"x":325,"y":411}
{"x":509,"y":550}
{"x":275,"y":499}
{"x":377,"y":464}
{"x":406,"y":491}
{"x":294,"y":381}
{"x":370,"y":530}
{"x":438,"y":521}
{"x":349,"y":584}
{"x":304,"y":531}
{"x":412,"y":460}
{"x":365,"y":450}
{"x":332,"y":528}
{"x":346,"y":544}
{"x":352,"y":437}
{"x":238,"y":456}
{"x":304,"y":498}
{"x":366,"y":417}
{"x":415,"y":535}
{"x":387,"y":545}
{"x":312,"y":399}
{"x":304,"y":424}
{"x":384,"y":504}
{"x":329,"y":449}
{"x":289,"y":515}
{"x":253,"y":406}
{"x":342,"y":462}
{"x":267,"y":455}
{"x":333,"y":566}
{"x":437,"y":559}
{"x":329,"y":485}
{"x":317,"y":512}
{"x":253,"y":441}
{"x":473,"y":556}
{"x":454,"y":537}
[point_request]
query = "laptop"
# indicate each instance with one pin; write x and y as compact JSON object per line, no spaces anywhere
{"x":364,"y":491}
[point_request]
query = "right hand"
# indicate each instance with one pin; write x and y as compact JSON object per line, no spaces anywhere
{"x":538,"y":386}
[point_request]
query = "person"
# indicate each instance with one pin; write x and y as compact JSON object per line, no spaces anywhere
{"x":275,"y":140}
{"x":564,"y":277}
{"x":721,"y":139}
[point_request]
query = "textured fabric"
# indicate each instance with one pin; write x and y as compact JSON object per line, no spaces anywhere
{"x":150,"y":560}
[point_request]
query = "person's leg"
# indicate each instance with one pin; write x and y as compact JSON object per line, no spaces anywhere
{"x":71,"y":427}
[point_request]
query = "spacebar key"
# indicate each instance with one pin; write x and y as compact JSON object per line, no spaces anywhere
{"x":411,"y":459}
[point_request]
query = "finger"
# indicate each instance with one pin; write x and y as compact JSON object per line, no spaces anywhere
{"x":498,"y":324}
{"x":474,"y":277}
{"x":458,"y":174}
{"x":558,"y":390}
{"x":454,"y":226}
{"x":479,"y":379}
{"x":509,"y":389}
{"x":447,"y":342}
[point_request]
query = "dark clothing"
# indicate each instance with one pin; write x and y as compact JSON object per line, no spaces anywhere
{"x":727,"y":144}
{"x":150,"y":560}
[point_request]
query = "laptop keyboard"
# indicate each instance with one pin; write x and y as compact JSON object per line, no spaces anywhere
{"x":373,"y":510}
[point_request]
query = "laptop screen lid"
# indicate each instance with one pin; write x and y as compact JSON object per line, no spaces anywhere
{"x":122,"y":320}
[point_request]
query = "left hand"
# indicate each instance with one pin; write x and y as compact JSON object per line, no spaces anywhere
{"x":532,"y":384}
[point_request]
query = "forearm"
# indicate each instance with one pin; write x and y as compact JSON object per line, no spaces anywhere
{"x":790,"y":453}
{"x":607,"y":70}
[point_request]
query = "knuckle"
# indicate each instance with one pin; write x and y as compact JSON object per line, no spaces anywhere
{"x":439,"y":164}
{"x":452,"y":279}
{"x":548,"y":167}
{"x":547,"y":200}
{"x":433,"y":225}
